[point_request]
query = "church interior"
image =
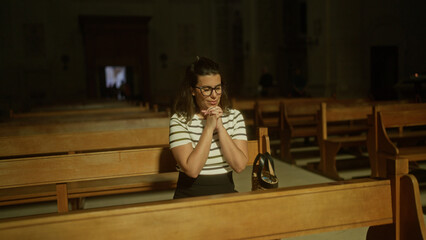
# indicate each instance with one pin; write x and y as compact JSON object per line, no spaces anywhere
{"x":98,"y":75}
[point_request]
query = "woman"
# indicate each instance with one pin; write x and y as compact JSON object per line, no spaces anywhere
{"x":207,"y":138}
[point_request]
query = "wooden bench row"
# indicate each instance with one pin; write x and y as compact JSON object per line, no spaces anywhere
{"x":362,"y":130}
{"x":335,"y":124}
{"x":45,"y":150}
{"x":101,"y":108}
{"x":252,"y":108}
{"x":298,"y":118}
{"x":30,"y":179}
{"x":154,"y":121}
{"x":344,"y":205}
{"x":83,"y":118}
{"x":75,"y":142}
{"x":292,"y":118}
{"x":390,"y":208}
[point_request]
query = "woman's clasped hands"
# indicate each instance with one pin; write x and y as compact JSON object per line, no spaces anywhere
{"x":213,"y":115}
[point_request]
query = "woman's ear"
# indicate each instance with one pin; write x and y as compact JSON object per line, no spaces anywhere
{"x":193,"y":91}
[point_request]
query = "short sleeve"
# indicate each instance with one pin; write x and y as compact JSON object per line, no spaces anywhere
{"x":179,"y":134}
{"x":239,"y":131}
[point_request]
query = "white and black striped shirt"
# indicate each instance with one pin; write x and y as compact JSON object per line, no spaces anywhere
{"x":183,"y":133}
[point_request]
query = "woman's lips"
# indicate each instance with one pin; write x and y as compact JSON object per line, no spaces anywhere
{"x":213,"y":103}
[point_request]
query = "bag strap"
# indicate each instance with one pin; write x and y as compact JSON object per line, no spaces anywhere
{"x":265,"y":160}
{"x":257,"y":159}
{"x":261,"y":164}
{"x":271,"y":166}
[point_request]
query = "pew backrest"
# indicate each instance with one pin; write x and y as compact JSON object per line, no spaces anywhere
{"x":389,"y":119}
{"x":347,"y":114}
{"x":47,"y":144}
{"x":70,"y":112}
{"x":292,"y":108}
{"x":294,"y":114}
{"x":21,"y":172}
{"x":84,"y":117}
{"x":267,"y":105}
{"x":87,"y":126}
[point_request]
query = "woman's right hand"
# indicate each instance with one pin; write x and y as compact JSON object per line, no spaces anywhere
{"x":211,"y":121}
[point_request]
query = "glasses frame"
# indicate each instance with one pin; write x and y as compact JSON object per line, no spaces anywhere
{"x":211,"y":90}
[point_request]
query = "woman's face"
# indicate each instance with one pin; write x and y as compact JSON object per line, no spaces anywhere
{"x":207,"y":84}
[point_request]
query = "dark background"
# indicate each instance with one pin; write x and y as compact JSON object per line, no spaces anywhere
{"x":53,"y":52}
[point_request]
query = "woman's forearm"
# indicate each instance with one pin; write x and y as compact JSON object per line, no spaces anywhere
{"x":234,"y":155}
{"x":198,"y":157}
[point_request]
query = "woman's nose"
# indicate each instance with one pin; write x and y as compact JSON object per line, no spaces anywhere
{"x":214,"y":94}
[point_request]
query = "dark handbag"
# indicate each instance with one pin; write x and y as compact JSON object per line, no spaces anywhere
{"x":263,"y":174}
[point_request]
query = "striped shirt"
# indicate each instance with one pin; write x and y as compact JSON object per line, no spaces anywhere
{"x":183,"y":133}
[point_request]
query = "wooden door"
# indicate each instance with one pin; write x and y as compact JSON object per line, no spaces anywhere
{"x":116,"y":41}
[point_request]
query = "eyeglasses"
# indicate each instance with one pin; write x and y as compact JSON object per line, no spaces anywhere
{"x":207,"y":91}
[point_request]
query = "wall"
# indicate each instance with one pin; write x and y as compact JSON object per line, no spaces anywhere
{"x":342,"y":34}
{"x":335,"y":55}
{"x":242,"y":35}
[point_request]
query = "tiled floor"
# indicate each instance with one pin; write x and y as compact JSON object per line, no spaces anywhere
{"x":289,"y":175}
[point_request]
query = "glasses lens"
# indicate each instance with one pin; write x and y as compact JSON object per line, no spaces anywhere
{"x":206,"y":91}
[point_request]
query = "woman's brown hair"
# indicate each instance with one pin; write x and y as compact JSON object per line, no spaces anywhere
{"x":185,"y":105}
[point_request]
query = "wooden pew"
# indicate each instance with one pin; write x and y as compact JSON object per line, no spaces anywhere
{"x":286,"y":123}
{"x":333,"y":135}
{"x":87,"y":126}
{"x":79,"y":175}
{"x":387,"y":149}
{"x":83,"y":104}
{"x":63,"y":177}
{"x":60,"y":112}
{"x":48,"y":144}
{"x":395,"y":135}
{"x":84,"y":118}
{"x":25,"y":148}
{"x":248,"y":105}
{"x":298,"y":119}
{"x":390,"y":208}
{"x":267,"y":113}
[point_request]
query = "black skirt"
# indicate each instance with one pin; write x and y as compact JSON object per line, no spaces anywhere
{"x":204,"y":185}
